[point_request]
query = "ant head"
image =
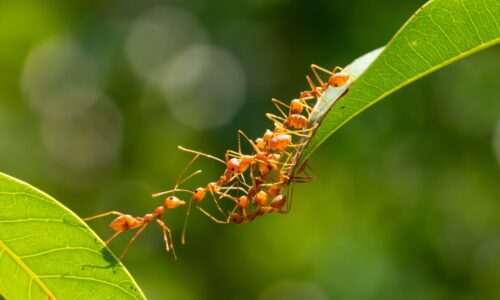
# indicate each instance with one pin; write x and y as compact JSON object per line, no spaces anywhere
{"x":233,"y":165}
{"x":236,"y":218}
{"x":278,"y":202}
{"x":243,"y":202}
{"x":261,"y":145}
{"x":199,"y":194}
{"x":306,"y":94}
{"x":268,"y":135}
{"x":260,"y":198}
{"x":173,"y":202}
{"x":296,"y":106}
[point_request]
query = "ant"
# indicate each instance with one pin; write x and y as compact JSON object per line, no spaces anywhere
{"x":336,"y":79}
{"x":124,"y":222}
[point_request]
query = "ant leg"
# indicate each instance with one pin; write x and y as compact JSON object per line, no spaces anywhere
{"x":295,"y":146}
{"x":310,"y":110}
{"x":234,"y":188}
{"x":104,"y":215}
{"x":113,"y":237}
{"x":178,"y":180}
{"x":232,"y":212}
{"x":210,"y":216}
{"x":337,"y":68}
{"x":318,"y":91}
{"x":239,"y":147}
{"x":240,"y":132}
{"x":165,"y":238}
{"x":177,"y":184}
{"x":289,"y":199}
{"x":232,"y":153}
{"x":239,"y":180}
{"x":201,"y":154}
{"x":188,"y":177}
{"x":343,"y":70}
{"x":216,"y":202}
{"x":226,"y":195}
{"x":313,"y":176}
{"x":243,"y":180}
{"x":299,"y":132}
{"x":275,"y":118}
{"x":183,"y":237}
{"x":304,"y":100}
{"x":252,"y":177}
{"x":252,"y":144}
{"x":133,"y":239}
{"x":316,"y":67}
{"x":171,"y":191}
{"x":304,"y":179}
{"x":276,"y":103}
{"x":286,"y":162}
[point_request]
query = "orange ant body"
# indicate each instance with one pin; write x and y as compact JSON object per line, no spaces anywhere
{"x":124,"y":223}
{"x":294,"y":118}
{"x":276,"y":206}
{"x":335,"y":79}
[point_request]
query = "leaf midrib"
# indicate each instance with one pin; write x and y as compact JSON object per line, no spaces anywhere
{"x":27,"y":269}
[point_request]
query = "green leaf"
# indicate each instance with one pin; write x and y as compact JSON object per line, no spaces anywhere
{"x":47,"y":252}
{"x":439,"y":33}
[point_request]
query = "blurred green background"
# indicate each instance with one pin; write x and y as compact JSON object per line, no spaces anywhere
{"x":95,"y":96}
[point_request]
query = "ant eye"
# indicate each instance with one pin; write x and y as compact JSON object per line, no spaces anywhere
{"x":232,"y":169}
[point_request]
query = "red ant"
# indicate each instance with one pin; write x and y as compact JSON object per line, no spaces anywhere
{"x":335,"y":79}
{"x":125,"y":222}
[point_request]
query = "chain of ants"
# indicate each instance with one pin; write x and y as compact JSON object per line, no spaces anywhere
{"x":258,"y":183}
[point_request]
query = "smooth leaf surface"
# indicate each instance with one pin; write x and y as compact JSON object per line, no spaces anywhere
{"x":439,"y":33}
{"x":47,"y":252}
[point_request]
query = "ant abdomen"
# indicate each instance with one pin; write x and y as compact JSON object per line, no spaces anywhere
{"x":125,"y":222}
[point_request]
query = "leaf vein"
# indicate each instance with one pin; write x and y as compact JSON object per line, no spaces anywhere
{"x":473,"y":23}
{"x":418,"y":54}
{"x":90,"y":279}
{"x":445,"y":34}
{"x":58,"y":250}
{"x":492,"y":16}
{"x":394,"y":69}
{"x":29,"y":195}
{"x":30,"y":272}
{"x":30,"y":220}
{"x":30,"y":288}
